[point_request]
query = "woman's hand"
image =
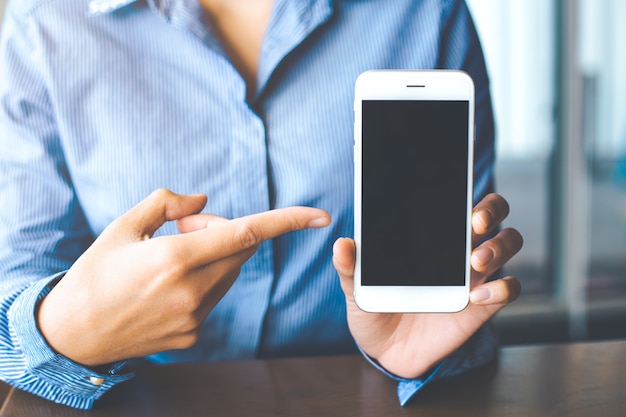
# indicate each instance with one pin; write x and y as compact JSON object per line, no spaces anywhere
{"x":408,"y":345}
{"x":131,"y":295}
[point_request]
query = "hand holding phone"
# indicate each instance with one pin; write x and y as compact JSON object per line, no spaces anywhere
{"x":408,"y":345}
{"x":413,"y":190}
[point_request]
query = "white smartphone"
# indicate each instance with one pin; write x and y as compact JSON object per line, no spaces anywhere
{"x":414,"y":135}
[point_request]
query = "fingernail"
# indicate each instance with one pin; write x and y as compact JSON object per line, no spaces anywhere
{"x":480,"y":295}
{"x":481,"y":221}
{"x":482,"y":257}
{"x":319,"y":222}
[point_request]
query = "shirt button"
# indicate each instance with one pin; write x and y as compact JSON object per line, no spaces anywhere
{"x":96,"y":381}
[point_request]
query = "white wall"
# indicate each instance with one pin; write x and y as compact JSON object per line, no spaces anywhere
{"x":517,"y":38}
{"x":1,"y":8}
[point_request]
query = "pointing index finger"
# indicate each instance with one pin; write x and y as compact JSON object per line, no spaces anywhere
{"x":222,"y":239}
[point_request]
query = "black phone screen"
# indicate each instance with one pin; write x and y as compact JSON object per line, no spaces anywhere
{"x":414,"y":192}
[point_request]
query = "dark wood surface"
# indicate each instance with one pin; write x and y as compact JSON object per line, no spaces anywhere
{"x":585,"y":379}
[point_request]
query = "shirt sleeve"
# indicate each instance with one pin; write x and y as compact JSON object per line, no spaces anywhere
{"x":28,"y":363}
{"x":42,"y":226}
{"x":479,"y":350}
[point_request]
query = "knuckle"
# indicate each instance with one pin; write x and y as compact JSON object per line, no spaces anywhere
{"x":187,"y":298}
{"x":294,"y":222}
{"x":167,"y":255}
{"x":193,"y":300}
{"x":516,"y":288}
{"x":161,"y":193}
{"x":501,"y":206}
{"x":509,"y":289}
{"x":187,"y":340}
{"x":187,"y":306}
{"x":248,"y":235}
{"x":513,"y":239}
{"x":496,"y":205}
{"x":505,"y":205}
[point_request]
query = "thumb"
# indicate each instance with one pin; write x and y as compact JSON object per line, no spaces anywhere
{"x":344,"y":256}
{"x":162,"y":205}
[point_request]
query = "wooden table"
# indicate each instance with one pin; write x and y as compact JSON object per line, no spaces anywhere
{"x":585,"y":379}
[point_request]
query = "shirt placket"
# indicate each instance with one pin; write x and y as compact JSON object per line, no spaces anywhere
{"x":239,"y":329}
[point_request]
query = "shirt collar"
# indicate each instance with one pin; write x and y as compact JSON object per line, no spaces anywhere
{"x":97,"y":7}
{"x":163,"y":7}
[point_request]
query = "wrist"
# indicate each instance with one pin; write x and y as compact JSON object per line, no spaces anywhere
{"x":61,"y":328}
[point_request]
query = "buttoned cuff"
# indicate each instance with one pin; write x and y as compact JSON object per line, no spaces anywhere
{"x":479,"y":350}
{"x":47,"y":373}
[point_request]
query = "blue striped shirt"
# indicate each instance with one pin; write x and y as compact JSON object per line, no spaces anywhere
{"x":103,"y":101}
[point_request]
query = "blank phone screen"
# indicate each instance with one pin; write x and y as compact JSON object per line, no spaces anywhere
{"x":414,"y":192}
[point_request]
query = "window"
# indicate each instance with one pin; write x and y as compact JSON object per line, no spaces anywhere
{"x":560,"y":106}
{"x":602,"y":63}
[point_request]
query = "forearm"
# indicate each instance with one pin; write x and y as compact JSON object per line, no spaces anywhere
{"x":28,"y":363}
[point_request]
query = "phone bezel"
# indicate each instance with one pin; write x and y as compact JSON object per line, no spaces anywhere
{"x":411,"y":85}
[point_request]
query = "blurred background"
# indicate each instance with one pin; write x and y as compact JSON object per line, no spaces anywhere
{"x":558,"y":74}
{"x":558,"y":70}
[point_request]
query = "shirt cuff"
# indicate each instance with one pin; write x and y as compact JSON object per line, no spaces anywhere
{"x":479,"y":350}
{"x":46,"y":373}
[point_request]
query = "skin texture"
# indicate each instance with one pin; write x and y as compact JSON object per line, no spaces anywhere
{"x":397,"y":340}
{"x":240,"y":26}
{"x":132,"y":295}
